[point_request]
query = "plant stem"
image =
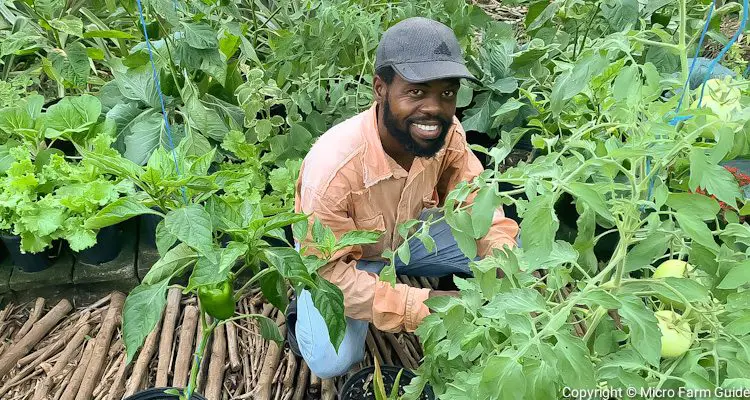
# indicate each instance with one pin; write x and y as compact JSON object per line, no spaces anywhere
{"x":599,"y":314}
{"x":682,"y":47}
{"x":250,"y":281}
{"x":206,"y":334}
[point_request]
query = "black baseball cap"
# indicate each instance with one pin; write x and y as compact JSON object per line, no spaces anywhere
{"x":420,"y":50}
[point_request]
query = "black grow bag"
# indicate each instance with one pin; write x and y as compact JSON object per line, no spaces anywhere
{"x":107,"y":247}
{"x":30,"y":262}
{"x":360,"y":387}
{"x":148,"y":225}
{"x":158,"y":394}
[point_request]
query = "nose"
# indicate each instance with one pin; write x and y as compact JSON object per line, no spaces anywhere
{"x":431,"y":105}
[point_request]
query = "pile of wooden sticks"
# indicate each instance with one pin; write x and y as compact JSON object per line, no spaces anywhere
{"x":65,"y":354}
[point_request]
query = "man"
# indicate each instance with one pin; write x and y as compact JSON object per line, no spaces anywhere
{"x":394,"y":162}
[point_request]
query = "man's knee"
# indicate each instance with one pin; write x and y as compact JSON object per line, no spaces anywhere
{"x":327,"y":368}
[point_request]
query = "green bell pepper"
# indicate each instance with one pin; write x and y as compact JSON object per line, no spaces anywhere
{"x":217,"y":301}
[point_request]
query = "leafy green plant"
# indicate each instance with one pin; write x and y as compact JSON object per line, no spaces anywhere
{"x":563,"y":317}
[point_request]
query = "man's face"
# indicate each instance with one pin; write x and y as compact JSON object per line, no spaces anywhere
{"x":418,"y":115}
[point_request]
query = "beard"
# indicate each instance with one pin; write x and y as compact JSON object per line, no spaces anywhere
{"x":404,"y":137}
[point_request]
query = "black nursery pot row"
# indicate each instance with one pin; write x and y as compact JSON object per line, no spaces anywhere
{"x":107,"y":248}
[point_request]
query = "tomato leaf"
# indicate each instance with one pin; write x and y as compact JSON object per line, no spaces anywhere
{"x":538,"y":229}
{"x":716,"y":180}
{"x":696,"y":229}
{"x":643,"y":328}
{"x":736,"y":277}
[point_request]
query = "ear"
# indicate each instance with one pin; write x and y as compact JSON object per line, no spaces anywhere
{"x":379,"y":89}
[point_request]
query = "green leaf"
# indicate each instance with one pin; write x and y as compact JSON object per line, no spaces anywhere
{"x":601,"y":298}
{"x":574,"y":80}
{"x":288,"y":262}
{"x":502,"y":378}
{"x":136,"y":83}
{"x":463,"y":231}
{"x":141,"y":312}
{"x":538,"y":229}
{"x":621,"y":14}
{"x":483,"y":210}
{"x":587,"y":193}
{"x":147,"y":132}
{"x":118,"y":211}
{"x":516,"y":301}
{"x":73,"y":114}
{"x":329,"y":301}
{"x":464,"y":96}
{"x":72,"y":64}
{"x":192,"y":225}
{"x":643,"y":328}
{"x":357,"y":238}
{"x":699,"y":205}
{"x":68,"y":24}
{"x":573,"y":363}
{"x":737,"y":276}
{"x":716,"y":180}
{"x":696,"y":229}
{"x":625,"y":87}
{"x":208,"y":272}
{"x":274,"y":289}
{"x":107,"y":34}
{"x":690,"y":289}
{"x":479,"y":117}
{"x":739,"y":326}
{"x":388,"y":274}
{"x":646,"y":251}
{"x":404,"y":253}
{"x":268,"y":328}
{"x":171,"y":263}
{"x":200,"y":36}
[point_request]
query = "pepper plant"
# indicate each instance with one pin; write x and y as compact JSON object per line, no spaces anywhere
{"x":211,"y":234}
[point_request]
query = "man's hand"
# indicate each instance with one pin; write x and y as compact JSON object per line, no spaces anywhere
{"x":452,"y":293}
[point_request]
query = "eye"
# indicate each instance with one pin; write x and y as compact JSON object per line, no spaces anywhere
{"x":449,"y":93}
{"x":416,"y":92}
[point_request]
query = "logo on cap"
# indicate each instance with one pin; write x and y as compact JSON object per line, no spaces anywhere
{"x":443,"y":49}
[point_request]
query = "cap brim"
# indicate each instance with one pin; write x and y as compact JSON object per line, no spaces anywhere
{"x":433,"y":70}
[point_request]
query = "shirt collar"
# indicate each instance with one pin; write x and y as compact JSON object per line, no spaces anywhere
{"x":377,"y":164}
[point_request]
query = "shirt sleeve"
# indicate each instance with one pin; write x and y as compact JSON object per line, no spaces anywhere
{"x":390,"y":309}
{"x":461,"y":164}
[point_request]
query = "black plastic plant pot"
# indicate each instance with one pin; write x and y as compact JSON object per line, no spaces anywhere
{"x":360,"y":387}
{"x":107,"y":247}
{"x":30,"y":262}
{"x":148,"y":228}
{"x":158,"y":394}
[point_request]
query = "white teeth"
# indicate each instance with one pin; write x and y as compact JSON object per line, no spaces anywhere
{"x":427,"y":127}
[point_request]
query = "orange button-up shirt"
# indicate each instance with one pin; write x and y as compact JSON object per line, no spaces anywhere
{"x":348,"y":182}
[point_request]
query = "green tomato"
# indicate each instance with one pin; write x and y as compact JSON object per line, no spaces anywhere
{"x":722,"y":99}
{"x":672,"y":268}
{"x":676,"y":335}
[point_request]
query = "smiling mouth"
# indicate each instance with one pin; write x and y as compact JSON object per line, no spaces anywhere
{"x":427,"y":131}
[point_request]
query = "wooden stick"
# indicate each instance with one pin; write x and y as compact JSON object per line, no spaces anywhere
{"x":140,"y":370}
{"x":185,"y":349}
{"x":303,"y":379}
{"x":405,"y":360}
{"x":117,"y":390}
{"x":33,"y":317}
{"x":62,"y":361}
{"x":314,"y":389}
{"x":271,"y":362}
{"x":37,"y":332}
{"x":103,"y":341}
{"x":62,"y":340}
{"x":328,"y":391}
{"x":167,"y":335}
{"x":234,"y":359}
{"x":216,"y":366}
{"x":384,"y":350}
{"x":291,"y":370}
{"x":48,"y":351}
{"x":75,"y":382}
{"x":373,"y":347}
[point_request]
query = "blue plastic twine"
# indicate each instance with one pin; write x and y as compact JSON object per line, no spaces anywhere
{"x":678,"y":118}
{"x":161,"y":96}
